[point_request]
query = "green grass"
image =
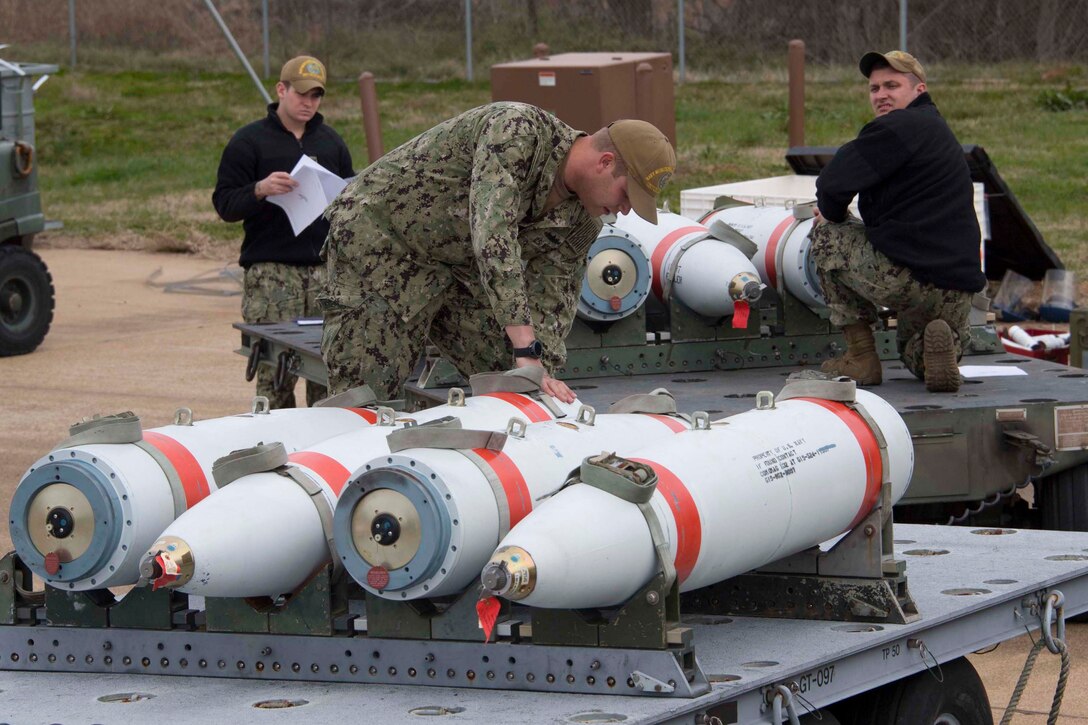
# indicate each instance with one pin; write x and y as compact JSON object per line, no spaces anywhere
{"x":128,"y":159}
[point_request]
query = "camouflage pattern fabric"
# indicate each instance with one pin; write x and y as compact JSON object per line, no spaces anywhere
{"x":448,"y":237}
{"x":855,"y":278}
{"x":274,"y":292}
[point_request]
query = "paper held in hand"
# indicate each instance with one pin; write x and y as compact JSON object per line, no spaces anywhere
{"x":317,"y":187}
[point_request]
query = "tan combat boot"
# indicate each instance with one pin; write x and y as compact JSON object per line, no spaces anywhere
{"x":939,"y":357}
{"x":860,"y":360}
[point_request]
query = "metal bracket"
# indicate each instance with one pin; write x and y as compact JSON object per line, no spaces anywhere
{"x":287,"y":365}
{"x":1044,"y":454}
{"x":649,"y":684}
{"x":254,"y":360}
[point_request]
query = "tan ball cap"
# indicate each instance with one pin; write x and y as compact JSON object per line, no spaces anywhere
{"x":650,"y":161}
{"x":304,"y":74}
{"x":897,"y":59}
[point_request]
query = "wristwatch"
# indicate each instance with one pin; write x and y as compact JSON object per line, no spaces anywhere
{"x":534,"y":350}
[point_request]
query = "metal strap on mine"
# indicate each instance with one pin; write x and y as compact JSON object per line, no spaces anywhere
{"x":117,"y":428}
{"x":635,"y":483}
{"x":256,"y":459}
{"x":121,"y":428}
{"x":663,"y":248}
{"x":725,"y":233}
{"x":272,"y":457}
{"x":526,"y":381}
{"x":656,"y":402}
{"x":447,"y":433}
{"x":844,"y":390}
{"x":444,"y":433}
{"x":361,"y":396}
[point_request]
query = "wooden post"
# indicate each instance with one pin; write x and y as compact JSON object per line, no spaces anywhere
{"x":368,"y":99}
{"x":644,"y":92}
{"x":797,"y":93}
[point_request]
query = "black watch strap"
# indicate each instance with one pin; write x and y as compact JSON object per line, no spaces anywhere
{"x":533,"y":350}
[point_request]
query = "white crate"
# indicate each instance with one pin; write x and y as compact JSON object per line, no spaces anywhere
{"x":776,"y":190}
{"x":787,"y":191}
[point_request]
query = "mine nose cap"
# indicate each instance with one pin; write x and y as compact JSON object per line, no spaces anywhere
{"x":149,"y":567}
{"x":495,"y":577}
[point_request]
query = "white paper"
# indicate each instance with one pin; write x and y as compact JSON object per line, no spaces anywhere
{"x":990,"y":371}
{"x":317,"y":187}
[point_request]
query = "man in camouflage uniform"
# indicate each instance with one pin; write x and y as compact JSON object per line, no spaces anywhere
{"x":473,"y":235}
{"x":283,"y":273}
{"x":917,"y":253}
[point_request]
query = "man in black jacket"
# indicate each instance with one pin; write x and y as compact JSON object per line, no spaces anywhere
{"x":918,"y":250}
{"x":283,"y":273}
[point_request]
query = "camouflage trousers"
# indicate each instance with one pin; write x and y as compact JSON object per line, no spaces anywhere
{"x":274,"y":292}
{"x":855,"y":278}
{"x":370,"y":343}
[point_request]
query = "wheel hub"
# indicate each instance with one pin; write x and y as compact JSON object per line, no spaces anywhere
{"x":11,"y":302}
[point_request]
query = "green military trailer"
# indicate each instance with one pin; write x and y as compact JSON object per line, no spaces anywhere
{"x":26,"y":287}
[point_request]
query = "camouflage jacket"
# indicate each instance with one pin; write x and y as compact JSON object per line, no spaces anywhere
{"x":464,"y":202}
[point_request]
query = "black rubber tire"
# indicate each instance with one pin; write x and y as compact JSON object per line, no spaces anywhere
{"x":921,"y":700}
{"x":1062,"y":500}
{"x":26,"y":300}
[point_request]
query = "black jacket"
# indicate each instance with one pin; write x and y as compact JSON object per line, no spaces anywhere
{"x":915,"y":195}
{"x":253,"y":153}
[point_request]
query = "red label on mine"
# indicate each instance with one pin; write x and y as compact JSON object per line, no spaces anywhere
{"x":377,"y":577}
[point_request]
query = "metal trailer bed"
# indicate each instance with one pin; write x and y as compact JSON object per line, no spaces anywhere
{"x":973,"y":587}
{"x":980,"y":443}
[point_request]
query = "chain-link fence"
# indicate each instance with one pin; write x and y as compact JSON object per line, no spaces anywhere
{"x":444,"y":39}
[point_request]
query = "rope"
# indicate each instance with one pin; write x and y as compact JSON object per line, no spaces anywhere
{"x":1021,"y":683}
{"x":1059,"y":690}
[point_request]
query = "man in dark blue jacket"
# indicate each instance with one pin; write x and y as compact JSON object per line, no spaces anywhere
{"x":918,"y":250}
{"x":283,"y":273}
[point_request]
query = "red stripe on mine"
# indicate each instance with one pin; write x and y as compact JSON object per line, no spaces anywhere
{"x":533,"y":410}
{"x":330,"y":469}
{"x":193,"y":481}
{"x":676,"y":426}
{"x":770,"y":257}
{"x":661,"y":251}
{"x":870,"y":451}
{"x":518,"y":499}
{"x":689,"y":530}
{"x":366,"y":414}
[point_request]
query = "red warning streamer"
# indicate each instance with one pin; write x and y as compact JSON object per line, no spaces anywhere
{"x":741,"y":308}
